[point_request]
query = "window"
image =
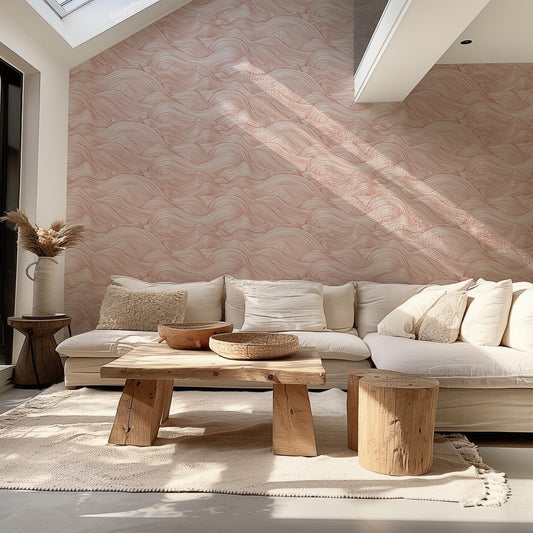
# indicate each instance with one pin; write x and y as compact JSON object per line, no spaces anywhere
{"x":64,"y":7}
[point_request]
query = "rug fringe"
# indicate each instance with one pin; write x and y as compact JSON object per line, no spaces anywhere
{"x":497,"y":490}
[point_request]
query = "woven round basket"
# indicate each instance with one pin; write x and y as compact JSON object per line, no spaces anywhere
{"x":191,"y":335}
{"x":247,"y":346}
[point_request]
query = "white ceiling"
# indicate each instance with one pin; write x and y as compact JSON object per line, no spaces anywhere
{"x":411,"y":36}
{"x":414,"y":35}
{"x":501,"y":33}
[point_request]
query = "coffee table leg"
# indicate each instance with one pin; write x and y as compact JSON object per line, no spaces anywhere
{"x":352,"y":410}
{"x":139,"y":412}
{"x":167,"y":399}
{"x":292,"y":421}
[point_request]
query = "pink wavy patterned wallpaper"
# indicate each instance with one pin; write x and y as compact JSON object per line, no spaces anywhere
{"x":224,"y":139}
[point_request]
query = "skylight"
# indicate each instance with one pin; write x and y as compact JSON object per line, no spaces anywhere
{"x":64,"y":7}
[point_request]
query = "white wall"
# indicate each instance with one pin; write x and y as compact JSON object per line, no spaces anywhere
{"x":44,"y":142}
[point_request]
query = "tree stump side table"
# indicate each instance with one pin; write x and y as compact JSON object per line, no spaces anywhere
{"x":38,"y":365}
{"x":391,"y":421}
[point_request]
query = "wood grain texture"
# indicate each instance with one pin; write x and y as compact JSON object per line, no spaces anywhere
{"x":396,"y":423}
{"x":292,"y":421}
{"x":157,"y":361}
{"x":38,"y":363}
{"x":352,"y":400}
{"x":224,"y":139}
{"x":139,"y":412}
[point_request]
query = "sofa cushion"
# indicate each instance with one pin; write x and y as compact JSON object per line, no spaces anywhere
{"x":204,"y":298}
{"x":334,"y":344}
{"x":455,"y":365}
{"x":376,"y":300}
{"x":140,"y":310}
{"x":519,"y":331}
{"x":404,"y":319}
{"x":340,"y":345}
{"x":442,"y":322}
{"x":338,"y":304}
{"x":104,"y":343}
{"x":485,"y":320}
{"x":283,"y":305}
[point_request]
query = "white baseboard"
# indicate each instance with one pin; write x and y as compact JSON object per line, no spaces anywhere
{"x":6,"y":377}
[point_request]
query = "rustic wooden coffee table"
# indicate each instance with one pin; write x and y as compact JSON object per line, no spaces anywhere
{"x":150,"y":371}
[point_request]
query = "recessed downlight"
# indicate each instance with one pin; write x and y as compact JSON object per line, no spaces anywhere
{"x":466,"y":41}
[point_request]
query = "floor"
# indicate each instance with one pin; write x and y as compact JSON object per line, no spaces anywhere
{"x":58,"y":512}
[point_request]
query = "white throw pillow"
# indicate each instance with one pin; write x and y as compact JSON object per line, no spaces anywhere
{"x":442,"y":322}
{"x":283,"y":306}
{"x":125,"y":309}
{"x":403,"y":321}
{"x":339,"y":305}
{"x":204,"y":300}
{"x":519,"y":331}
{"x":485,"y":320}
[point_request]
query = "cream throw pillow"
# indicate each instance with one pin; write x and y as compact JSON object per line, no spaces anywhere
{"x":204,"y":300}
{"x":442,"y":322}
{"x":485,"y":320}
{"x":519,"y":331}
{"x":403,"y":321}
{"x":283,"y":306}
{"x":140,"y":310}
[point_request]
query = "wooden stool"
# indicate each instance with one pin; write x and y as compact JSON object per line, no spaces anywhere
{"x":391,"y":420}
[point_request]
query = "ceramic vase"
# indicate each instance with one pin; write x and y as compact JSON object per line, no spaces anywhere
{"x":45,"y":277}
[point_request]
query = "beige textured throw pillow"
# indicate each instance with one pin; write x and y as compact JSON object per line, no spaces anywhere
{"x":442,"y":322}
{"x":403,"y":321}
{"x":485,"y":320}
{"x":140,"y":310}
{"x":204,"y":300}
{"x":283,"y":306}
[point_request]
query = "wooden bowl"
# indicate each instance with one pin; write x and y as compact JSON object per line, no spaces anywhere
{"x":191,"y":335}
{"x":256,"y":346}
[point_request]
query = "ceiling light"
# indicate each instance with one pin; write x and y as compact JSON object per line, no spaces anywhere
{"x":466,"y":41}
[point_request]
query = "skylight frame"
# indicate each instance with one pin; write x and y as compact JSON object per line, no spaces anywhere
{"x":65,"y":7}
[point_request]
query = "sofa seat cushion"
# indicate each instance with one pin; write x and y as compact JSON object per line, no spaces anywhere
{"x":114,"y":343}
{"x":455,"y":365}
{"x":104,"y":343}
{"x":333,"y":344}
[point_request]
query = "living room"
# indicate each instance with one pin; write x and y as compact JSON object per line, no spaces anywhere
{"x":202,"y":139}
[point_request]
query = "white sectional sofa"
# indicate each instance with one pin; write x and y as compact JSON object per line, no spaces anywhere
{"x":364,"y":324}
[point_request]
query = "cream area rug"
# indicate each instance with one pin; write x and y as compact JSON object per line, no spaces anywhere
{"x":217,"y":441}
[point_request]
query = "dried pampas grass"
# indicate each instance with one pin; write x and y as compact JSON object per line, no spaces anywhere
{"x":45,"y":242}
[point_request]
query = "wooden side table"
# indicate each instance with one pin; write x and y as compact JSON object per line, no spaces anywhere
{"x":391,"y":420}
{"x":38,"y":365}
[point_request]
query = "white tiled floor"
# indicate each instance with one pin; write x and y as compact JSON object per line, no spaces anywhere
{"x":60,"y":512}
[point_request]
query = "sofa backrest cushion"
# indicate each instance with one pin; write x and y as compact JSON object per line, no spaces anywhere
{"x":487,"y":312}
{"x":519,"y":331}
{"x":338,"y":304}
{"x":377,"y":300}
{"x":283,"y":305}
{"x":204,"y":298}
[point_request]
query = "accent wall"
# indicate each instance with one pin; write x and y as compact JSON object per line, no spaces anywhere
{"x":224,"y":139}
